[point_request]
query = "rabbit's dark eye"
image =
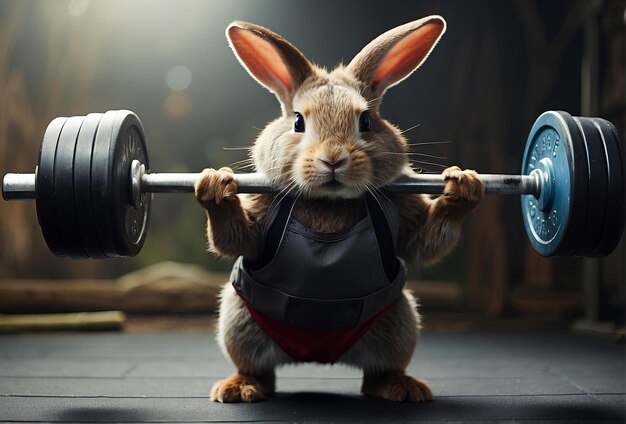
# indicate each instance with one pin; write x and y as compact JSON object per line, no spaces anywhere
{"x":298,"y":126}
{"x":364,"y":121}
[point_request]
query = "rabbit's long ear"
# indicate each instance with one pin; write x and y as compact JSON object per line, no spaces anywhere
{"x":269,"y":58}
{"x":394,"y":55}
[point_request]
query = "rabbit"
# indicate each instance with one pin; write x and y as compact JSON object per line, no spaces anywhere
{"x":329,"y":148}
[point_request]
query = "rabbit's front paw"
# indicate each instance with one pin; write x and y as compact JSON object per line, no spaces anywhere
{"x":214,"y":186}
{"x":237,"y":388}
{"x":463,"y":185}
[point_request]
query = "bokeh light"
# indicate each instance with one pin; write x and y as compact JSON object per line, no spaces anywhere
{"x":177,"y":105}
{"x":77,"y":8}
{"x":178,"y":78}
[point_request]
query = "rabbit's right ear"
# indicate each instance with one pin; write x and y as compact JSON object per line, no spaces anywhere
{"x":272,"y":60}
{"x":394,"y":55}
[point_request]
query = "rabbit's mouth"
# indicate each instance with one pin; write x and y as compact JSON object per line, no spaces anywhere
{"x":335,"y":188}
{"x":333,"y":185}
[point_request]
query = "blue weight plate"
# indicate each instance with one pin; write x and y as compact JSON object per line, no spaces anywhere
{"x":44,"y":183}
{"x":614,"y":219}
{"x":121,"y":226}
{"x":70,"y":244}
{"x":82,"y":187}
{"x":553,"y":223}
{"x":598,"y":180}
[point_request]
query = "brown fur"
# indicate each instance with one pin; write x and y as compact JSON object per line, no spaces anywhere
{"x":331,"y":103}
{"x":396,"y":386}
{"x":239,"y":388}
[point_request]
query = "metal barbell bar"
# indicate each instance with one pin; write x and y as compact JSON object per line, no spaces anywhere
{"x":23,"y":186}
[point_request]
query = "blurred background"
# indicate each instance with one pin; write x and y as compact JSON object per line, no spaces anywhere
{"x":499,"y":65}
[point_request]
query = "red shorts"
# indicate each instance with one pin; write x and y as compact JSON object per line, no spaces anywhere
{"x":311,"y":345}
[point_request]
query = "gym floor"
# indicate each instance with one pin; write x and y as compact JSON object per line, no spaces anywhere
{"x":476,"y":376}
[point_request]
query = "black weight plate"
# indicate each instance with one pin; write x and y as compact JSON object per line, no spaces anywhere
{"x":614,"y":220}
{"x":597,"y":189}
{"x":101,"y":188}
{"x":44,"y":184}
{"x":553,"y":222}
{"x":82,"y":187}
{"x":121,"y":226}
{"x":69,"y":244}
{"x":580,"y":192}
{"x":131,"y":146}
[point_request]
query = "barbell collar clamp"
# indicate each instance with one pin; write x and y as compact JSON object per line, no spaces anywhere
{"x":545,"y":179}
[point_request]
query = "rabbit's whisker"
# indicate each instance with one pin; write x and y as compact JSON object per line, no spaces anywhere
{"x":378,"y":190}
{"x":440,"y":165}
{"x":427,"y":155}
{"x":246,"y":168}
{"x":240,"y":162}
{"x":392,"y":153}
{"x":237,"y":148}
{"x":409,"y":129}
{"x":424,"y":143}
{"x":285,"y":191}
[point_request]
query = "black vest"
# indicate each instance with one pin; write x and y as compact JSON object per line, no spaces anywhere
{"x":315,"y":280}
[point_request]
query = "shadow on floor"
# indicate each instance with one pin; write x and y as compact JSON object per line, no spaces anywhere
{"x":305,"y":406}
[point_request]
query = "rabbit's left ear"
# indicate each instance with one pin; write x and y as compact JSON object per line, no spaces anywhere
{"x":394,"y":55}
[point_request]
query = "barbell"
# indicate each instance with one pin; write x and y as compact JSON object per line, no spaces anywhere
{"x":93,"y":190}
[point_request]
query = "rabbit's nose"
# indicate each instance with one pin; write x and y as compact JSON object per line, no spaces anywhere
{"x":334,"y":164}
